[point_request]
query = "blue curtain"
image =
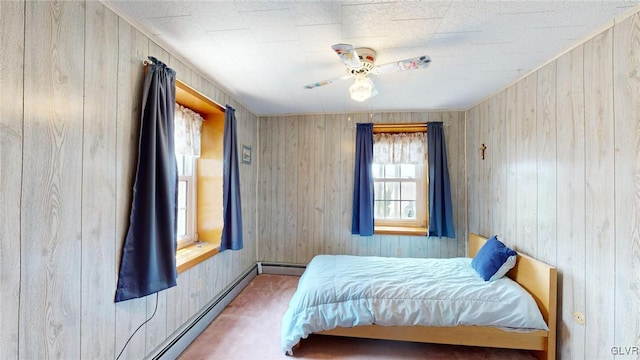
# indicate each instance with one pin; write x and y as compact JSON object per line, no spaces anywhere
{"x":362,"y":219}
{"x":440,"y":206}
{"x":231,"y":203}
{"x":149,"y":254}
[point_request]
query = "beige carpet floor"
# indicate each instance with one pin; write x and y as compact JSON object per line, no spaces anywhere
{"x":249,"y":328}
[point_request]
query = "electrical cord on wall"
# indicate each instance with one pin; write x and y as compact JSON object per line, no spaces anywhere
{"x":139,"y":327}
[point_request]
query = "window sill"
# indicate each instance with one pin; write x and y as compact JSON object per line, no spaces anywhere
{"x":400,"y":230}
{"x":192,"y":255}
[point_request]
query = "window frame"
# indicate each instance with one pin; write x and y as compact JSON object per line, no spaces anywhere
{"x":422,"y":210}
{"x":406,"y":227}
{"x":209,"y":189}
{"x":191,"y":237}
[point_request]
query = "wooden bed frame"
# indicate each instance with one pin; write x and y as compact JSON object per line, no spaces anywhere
{"x":536,"y":277}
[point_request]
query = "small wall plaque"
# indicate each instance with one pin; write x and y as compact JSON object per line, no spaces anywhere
{"x":246,"y":155}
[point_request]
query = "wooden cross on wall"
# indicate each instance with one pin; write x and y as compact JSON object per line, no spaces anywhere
{"x":482,"y":149}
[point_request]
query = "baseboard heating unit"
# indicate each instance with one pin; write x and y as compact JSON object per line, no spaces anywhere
{"x":176,"y":344}
{"x":280,"y":269}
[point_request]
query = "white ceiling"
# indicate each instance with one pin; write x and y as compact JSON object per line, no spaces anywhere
{"x":264,"y":52}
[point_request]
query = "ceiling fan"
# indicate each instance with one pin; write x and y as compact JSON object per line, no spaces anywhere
{"x":360,"y":62}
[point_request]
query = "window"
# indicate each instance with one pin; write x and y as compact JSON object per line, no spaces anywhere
{"x":188,"y":125}
{"x":187,"y":200}
{"x":400,"y":181}
{"x":200,"y":179}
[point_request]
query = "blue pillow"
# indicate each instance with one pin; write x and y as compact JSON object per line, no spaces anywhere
{"x":494,"y":259}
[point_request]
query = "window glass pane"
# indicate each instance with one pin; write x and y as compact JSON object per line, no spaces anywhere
{"x":182,"y":194}
{"x":377,"y":171}
{"x":391,"y":171}
{"x":408,"y":209}
{"x":408,"y":171}
{"x":408,"y":191}
{"x":180,"y":162}
{"x":182,"y":222}
{"x":185,"y":165}
{"x":378,"y":209}
{"x":378,"y":190}
{"x":392,"y":190}
{"x":393,"y":210}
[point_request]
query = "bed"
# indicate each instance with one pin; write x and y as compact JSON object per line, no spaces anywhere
{"x":376,"y":316}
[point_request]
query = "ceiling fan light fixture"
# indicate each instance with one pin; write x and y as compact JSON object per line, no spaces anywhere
{"x":361,"y":89}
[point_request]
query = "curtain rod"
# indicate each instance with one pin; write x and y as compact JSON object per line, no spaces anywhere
{"x":400,"y":125}
{"x":400,"y":128}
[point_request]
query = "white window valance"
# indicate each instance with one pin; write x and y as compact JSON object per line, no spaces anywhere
{"x":405,"y":148}
{"x":188,"y":129}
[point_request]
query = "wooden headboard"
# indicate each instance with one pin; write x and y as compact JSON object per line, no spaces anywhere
{"x":538,"y":278}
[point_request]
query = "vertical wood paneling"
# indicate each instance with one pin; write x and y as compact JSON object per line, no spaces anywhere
{"x":333,"y":185}
{"x":183,"y":72}
{"x":458,"y":121}
{"x":571,"y":201}
{"x":50,"y":290}
{"x":318,"y":160}
{"x":11,"y":137}
{"x":590,"y":180}
{"x":279,"y":176}
{"x":485,"y":169}
{"x":585,"y":181}
{"x":498,"y":174}
{"x":599,"y":130}
{"x":54,"y":199}
{"x":347,"y":163}
{"x":527,"y":192}
{"x":177,"y":306}
{"x":195,"y":283}
{"x":66,"y":199}
{"x":305,"y":190}
{"x":99,"y":183}
{"x":291,"y":201}
{"x":473,"y":154}
{"x":626,"y":65}
{"x":129,"y":314}
{"x":196,"y":296}
{"x":264,"y":188}
{"x":419,"y":246}
{"x":546,"y":163}
{"x":318,"y":171}
{"x":247,"y":134}
{"x":511,"y":161}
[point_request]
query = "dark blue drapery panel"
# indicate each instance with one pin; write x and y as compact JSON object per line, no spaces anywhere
{"x":149,"y":254}
{"x":231,"y":203}
{"x":440,"y":207}
{"x":362,"y":220}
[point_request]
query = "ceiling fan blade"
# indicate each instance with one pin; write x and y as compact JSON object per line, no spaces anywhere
{"x":348,"y":55}
{"x":419,"y":62}
{"x":327,"y":82}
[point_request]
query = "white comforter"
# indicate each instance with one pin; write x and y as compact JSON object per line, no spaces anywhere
{"x":347,"y":291}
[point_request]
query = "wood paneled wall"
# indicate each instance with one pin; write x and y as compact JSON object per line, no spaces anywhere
{"x":561,"y":182}
{"x":305,"y":188}
{"x":70,"y":91}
